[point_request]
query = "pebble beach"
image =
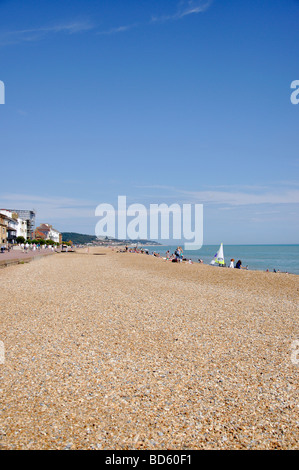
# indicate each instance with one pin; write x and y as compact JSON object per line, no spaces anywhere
{"x":107,"y":350}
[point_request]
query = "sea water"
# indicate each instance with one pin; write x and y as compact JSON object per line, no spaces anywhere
{"x":283,"y":258}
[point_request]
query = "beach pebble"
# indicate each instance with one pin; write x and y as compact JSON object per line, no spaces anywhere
{"x":128,"y":351}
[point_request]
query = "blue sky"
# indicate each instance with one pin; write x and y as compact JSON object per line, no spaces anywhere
{"x":162,"y":101}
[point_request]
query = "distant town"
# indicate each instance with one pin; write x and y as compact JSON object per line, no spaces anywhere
{"x":17,"y":226}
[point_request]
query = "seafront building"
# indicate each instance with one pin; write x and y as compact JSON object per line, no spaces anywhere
{"x":13,"y":225}
{"x":3,"y":229}
{"x":21,"y":223}
{"x":29,"y":217}
{"x":18,"y":223}
{"x":47,"y":232}
{"x":22,"y":228}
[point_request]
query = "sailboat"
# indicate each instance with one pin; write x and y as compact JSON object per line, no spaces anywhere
{"x":218,"y":259}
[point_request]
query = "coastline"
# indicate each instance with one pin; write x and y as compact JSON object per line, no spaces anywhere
{"x":274,"y":263}
{"x":127,"y":351}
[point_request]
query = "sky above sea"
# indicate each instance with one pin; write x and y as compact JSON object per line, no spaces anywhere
{"x":185,"y":102}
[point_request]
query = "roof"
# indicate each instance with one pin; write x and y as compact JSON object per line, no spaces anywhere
{"x":38,"y":233}
{"x":44,"y":227}
{"x":8,"y":218}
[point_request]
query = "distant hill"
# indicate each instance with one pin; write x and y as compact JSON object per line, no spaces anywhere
{"x":81,"y":239}
{"x":77,"y":238}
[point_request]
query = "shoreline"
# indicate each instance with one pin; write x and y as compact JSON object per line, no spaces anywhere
{"x":278,"y":271}
{"x":220,"y":267}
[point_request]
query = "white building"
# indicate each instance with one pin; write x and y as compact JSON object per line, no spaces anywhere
{"x":22,"y":228}
{"x":54,"y":235}
{"x":6,"y":212}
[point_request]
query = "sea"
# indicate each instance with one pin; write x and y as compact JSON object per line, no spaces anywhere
{"x":283,"y":258}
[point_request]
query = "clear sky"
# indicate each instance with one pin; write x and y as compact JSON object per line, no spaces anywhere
{"x":163,"y":101}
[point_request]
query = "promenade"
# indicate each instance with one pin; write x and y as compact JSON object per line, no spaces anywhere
{"x":17,"y":255}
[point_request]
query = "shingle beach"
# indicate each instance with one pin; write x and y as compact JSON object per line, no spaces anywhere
{"x":109,"y":350}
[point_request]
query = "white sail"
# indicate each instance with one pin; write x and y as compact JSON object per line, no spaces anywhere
{"x":219,"y":257}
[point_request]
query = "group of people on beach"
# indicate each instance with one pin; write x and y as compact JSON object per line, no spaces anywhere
{"x":176,"y":257}
{"x":238,"y":264}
